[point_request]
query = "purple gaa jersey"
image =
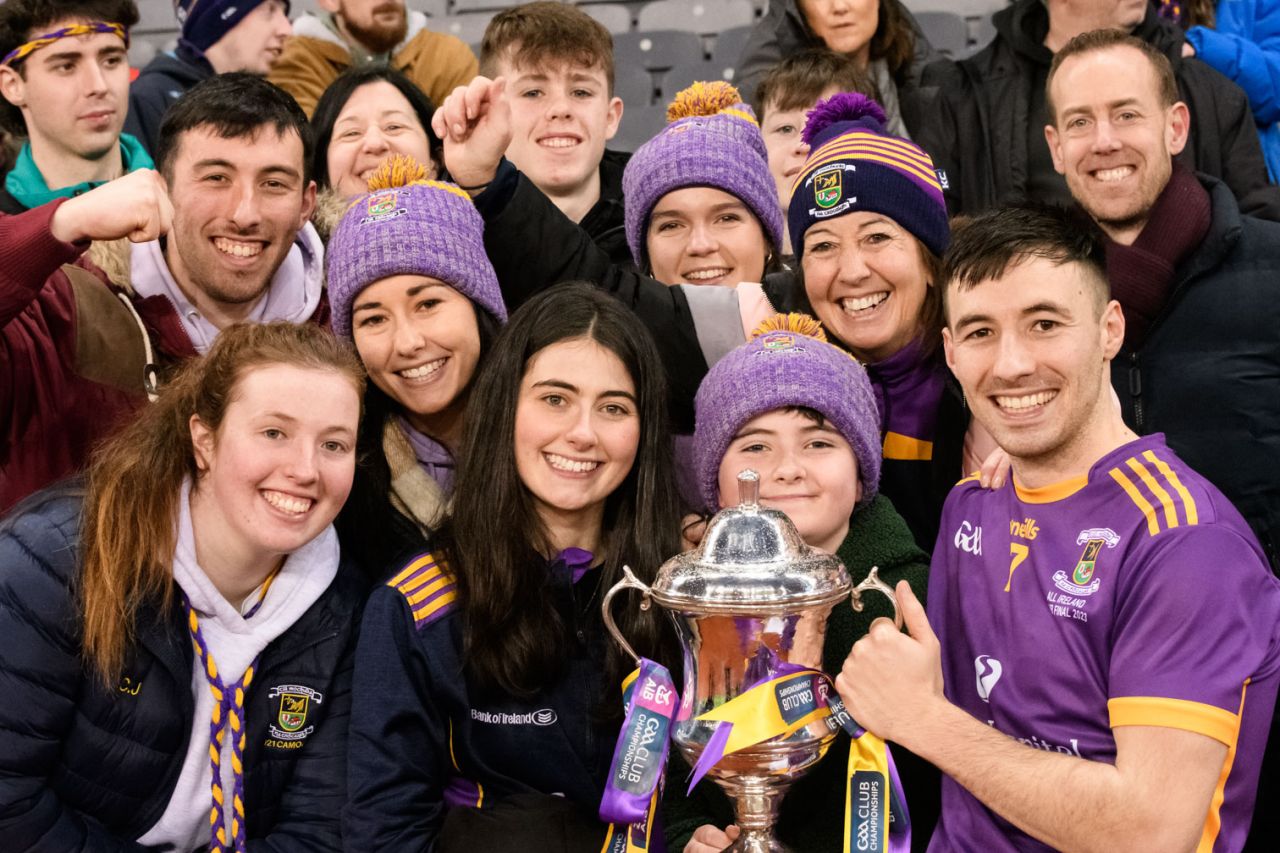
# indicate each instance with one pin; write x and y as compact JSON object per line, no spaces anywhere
{"x":1135,"y":596}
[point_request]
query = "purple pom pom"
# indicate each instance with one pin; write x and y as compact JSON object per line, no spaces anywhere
{"x":842,"y":106}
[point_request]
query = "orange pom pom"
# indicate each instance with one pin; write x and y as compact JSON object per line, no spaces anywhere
{"x":795,"y":322}
{"x":703,"y":99}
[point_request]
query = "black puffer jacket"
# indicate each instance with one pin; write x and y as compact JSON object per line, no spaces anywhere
{"x":85,"y":767}
{"x":979,"y":127}
{"x":1208,"y":373}
{"x":165,"y":79}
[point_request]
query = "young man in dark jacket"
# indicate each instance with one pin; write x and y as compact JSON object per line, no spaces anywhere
{"x":1201,"y":359}
{"x":986,"y":133}
{"x":64,"y":84}
{"x":217,"y":37}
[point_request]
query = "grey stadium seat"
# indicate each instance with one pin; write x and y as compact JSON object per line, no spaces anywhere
{"x":638,"y":126}
{"x":616,"y":17}
{"x":698,"y":16}
{"x":656,"y":50}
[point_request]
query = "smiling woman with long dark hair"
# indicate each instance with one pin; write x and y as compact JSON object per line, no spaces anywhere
{"x":485,"y":676}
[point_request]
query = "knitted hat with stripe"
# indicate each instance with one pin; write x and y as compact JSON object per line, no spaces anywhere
{"x":855,"y":164}
{"x":712,"y":140}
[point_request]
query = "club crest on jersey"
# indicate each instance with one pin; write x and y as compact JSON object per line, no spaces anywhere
{"x":294,"y":704}
{"x":1081,"y":581}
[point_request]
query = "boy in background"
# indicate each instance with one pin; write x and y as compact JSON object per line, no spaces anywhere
{"x":558,"y":65}
{"x":784,"y":98}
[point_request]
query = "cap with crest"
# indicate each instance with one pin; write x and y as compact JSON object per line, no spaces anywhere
{"x":854,"y":164}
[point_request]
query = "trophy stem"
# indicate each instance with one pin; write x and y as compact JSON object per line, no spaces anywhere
{"x":756,"y":811}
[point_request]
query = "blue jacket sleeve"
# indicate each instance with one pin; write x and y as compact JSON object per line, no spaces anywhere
{"x":40,"y":675}
{"x":398,"y":752}
{"x":1245,"y":46}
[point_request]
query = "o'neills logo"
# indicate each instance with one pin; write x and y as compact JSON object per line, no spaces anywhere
{"x":544,"y":717}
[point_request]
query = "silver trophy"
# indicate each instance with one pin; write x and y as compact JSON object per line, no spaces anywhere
{"x":752,"y":596}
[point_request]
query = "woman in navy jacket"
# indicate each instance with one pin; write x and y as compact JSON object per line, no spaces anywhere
{"x":176,"y":662}
{"x":487,"y":693}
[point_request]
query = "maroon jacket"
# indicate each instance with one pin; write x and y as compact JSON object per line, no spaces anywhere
{"x":74,"y":356}
{"x":56,"y":399}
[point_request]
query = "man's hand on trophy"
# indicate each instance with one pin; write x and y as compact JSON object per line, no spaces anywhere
{"x":891,"y":680}
{"x":475,"y":124}
{"x":711,"y":839}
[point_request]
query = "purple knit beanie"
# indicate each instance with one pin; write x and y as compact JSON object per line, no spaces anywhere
{"x":855,"y":164}
{"x":712,"y":140}
{"x":787,"y":363}
{"x":408,"y":225}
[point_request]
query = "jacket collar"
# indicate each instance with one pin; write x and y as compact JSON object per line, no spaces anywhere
{"x":25,"y":182}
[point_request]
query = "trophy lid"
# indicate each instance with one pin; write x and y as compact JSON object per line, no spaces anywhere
{"x":750,"y":559}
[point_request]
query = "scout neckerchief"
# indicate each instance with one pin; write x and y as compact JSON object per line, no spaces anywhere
{"x":228,"y":710}
{"x":785,"y":698}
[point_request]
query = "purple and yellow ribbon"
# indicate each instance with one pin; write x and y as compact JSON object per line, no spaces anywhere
{"x":24,"y":50}
{"x":788,"y":697}
{"x":634,"y":788}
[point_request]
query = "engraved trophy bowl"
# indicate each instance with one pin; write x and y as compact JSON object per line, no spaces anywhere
{"x":749,"y":601}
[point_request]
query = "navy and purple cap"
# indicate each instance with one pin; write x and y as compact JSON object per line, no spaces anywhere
{"x":712,"y":140}
{"x":407,"y":225}
{"x":205,"y":22}
{"x":787,"y":363}
{"x":855,"y":164}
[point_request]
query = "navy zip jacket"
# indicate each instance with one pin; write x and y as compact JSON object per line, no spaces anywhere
{"x":426,"y":747}
{"x":88,"y":767}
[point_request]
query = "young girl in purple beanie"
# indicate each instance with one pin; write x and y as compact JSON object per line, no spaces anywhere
{"x":868,"y":224}
{"x":802,"y":414}
{"x":410,"y":286}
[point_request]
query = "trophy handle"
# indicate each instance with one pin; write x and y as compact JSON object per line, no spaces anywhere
{"x":872,"y":581}
{"x":629,"y":581}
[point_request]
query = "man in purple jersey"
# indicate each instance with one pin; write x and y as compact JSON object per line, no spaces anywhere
{"x":1107,"y":646}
